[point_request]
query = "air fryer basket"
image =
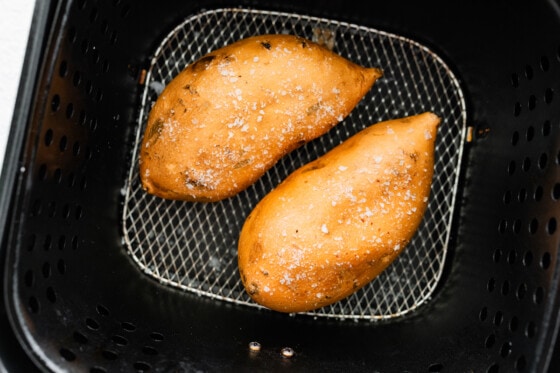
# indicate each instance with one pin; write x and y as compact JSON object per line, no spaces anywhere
{"x":79,"y":298}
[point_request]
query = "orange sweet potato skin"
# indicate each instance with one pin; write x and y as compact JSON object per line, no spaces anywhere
{"x":336,"y":223}
{"x":222,"y":122}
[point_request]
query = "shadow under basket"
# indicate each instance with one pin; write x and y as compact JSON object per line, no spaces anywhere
{"x":98,"y":276}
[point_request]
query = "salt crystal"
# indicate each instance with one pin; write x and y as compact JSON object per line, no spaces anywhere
{"x":377,"y":158}
{"x":324,"y":228}
{"x":342,"y":168}
{"x":427,"y":135}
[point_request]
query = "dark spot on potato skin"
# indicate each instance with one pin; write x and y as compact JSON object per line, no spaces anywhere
{"x":313,"y":166}
{"x":155,"y":130}
{"x":266,"y":44}
{"x":253,"y":289}
{"x":203,"y":63}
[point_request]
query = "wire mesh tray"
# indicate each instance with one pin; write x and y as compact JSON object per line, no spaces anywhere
{"x":193,"y":246}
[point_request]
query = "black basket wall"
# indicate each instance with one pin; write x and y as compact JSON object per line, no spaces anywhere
{"x":76,"y":297}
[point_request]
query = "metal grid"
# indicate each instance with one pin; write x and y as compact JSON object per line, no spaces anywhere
{"x":193,"y":246}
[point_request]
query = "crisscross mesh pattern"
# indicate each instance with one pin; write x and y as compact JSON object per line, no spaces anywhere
{"x":193,"y":246}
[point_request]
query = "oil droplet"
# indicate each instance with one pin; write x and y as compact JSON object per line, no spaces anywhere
{"x":254,"y":346}
{"x":288,"y":352}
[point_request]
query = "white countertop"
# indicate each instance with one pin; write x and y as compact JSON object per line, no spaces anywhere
{"x":15,"y":23}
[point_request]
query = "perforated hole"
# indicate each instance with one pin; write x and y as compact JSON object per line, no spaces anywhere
{"x":128,"y":326}
{"x":67,"y":354}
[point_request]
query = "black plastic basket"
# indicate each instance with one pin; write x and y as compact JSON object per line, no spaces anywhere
{"x":75,"y":298}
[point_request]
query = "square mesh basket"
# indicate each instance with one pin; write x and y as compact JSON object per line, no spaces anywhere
{"x":99,"y":277}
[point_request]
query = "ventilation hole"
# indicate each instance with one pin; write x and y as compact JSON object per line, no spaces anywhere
{"x":502,"y":226}
{"x":498,"y":318}
{"x":76,"y":149}
{"x":505,"y":288}
{"x":544,"y":63}
{"x":93,"y":15}
{"x":537,"y":196}
{"x":491,"y":285}
{"x":55,"y":103}
{"x":83,"y":183}
{"x":97,"y":370}
{"x":105,"y":66}
{"x":517,"y":109}
{"x":522,"y":196}
{"x":530,"y":329}
{"x":483,"y":314}
{"x":532,"y":102}
{"x":497,"y":255}
{"x":527,"y":258}
{"x":520,"y":363}
{"x":533,"y":226}
{"x":556,"y":191}
{"x":119,"y":340}
{"x":114,"y":37}
{"x":71,"y":180}
{"x":511,"y":257}
{"x":66,"y":211}
{"x":29,"y":278}
{"x":61,"y":266}
{"x":57,"y":175}
{"x":69,"y":110}
{"x":530,"y":134}
{"x":529,"y":72}
{"x":128,"y":326}
{"x":505,"y":350}
{"x":82,"y":4}
{"x":526,"y":165}
{"x":75,"y":243}
{"x":46,"y":269}
{"x":51,"y":295}
{"x":516,"y":226}
{"x":62,"y":242}
{"x":551,"y":226}
{"x":49,"y":137}
{"x":80,"y":338}
{"x":513,"y":324}
{"x":67,"y":354}
{"x":63,"y":69}
{"x":33,"y":304}
{"x":545,"y":261}
{"x":109,"y":355}
{"x":490,"y":340}
{"x":47,"y":244}
{"x":156,"y":337}
{"x":435,"y":368}
{"x":494,"y":368}
{"x":79,"y":213}
{"x":543,"y":160}
{"x":546,"y":128}
{"x":95,"y":56}
{"x":92,"y":324}
{"x":149,"y":350}
{"x":72,"y":35}
{"x":51,"y":209}
{"x":77,"y":78}
{"x":507,"y":197}
{"x":89,"y":87}
{"x":85,"y":46}
{"x":515,"y":80}
{"x":104,"y":27}
{"x":63,"y":144}
{"x":31,"y":243}
{"x":102,"y":310}
{"x":548,"y":95}
{"x":142,"y":366}
{"x":514,"y":138}
{"x":521,"y":291}
{"x":538,"y":296}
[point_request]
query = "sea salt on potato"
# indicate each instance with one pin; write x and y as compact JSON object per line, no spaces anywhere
{"x":227,"y":118}
{"x":335,"y":224}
